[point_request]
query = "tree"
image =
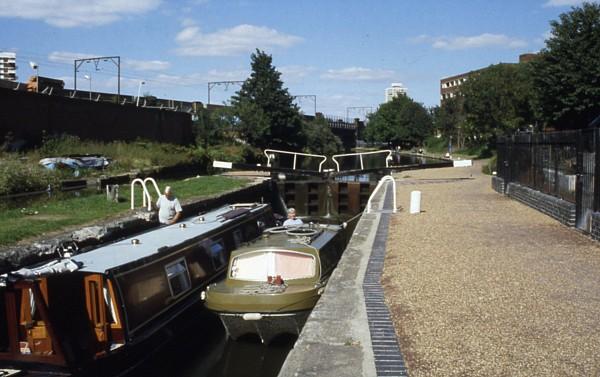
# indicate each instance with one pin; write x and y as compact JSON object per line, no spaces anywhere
{"x":212,"y":127}
{"x":449,"y":119}
{"x":497,"y":101}
{"x":267,"y":116}
{"x":320,"y":139}
{"x":566,"y":74}
{"x":401,"y":121}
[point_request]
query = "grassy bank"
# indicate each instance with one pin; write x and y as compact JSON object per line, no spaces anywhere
{"x":57,"y":214}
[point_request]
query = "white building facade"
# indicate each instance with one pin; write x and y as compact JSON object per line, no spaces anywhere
{"x":8,"y":66}
{"x":396,"y":90}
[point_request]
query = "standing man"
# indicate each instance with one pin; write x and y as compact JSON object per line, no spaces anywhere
{"x":169,"y":209}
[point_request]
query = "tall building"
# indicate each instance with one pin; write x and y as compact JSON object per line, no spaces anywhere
{"x":8,"y":66}
{"x":396,"y":90}
{"x":450,"y":86}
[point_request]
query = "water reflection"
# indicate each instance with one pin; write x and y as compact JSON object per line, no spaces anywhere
{"x":207,"y":352}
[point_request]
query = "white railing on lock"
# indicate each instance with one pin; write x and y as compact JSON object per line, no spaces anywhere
{"x":146,"y":198}
{"x":270,"y":154}
{"x":360,"y":155}
{"x":379,"y":184}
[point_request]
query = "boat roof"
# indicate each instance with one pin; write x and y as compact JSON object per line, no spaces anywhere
{"x":282,"y":240}
{"x":128,"y":250}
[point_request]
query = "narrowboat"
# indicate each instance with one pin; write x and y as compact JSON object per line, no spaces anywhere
{"x":105,"y":311}
{"x":273,"y":282}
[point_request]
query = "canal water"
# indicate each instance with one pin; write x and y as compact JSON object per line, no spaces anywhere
{"x":207,"y":352}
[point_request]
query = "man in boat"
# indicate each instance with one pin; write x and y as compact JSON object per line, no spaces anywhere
{"x":292,"y":220}
{"x":169,"y":208}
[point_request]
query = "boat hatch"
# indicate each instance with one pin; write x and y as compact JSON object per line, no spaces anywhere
{"x":258,"y":265}
{"x":26,"y":332}
{"x":234,"y":213}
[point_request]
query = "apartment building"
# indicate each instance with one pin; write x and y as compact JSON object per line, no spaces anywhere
{"x":8,"y":66}
{"x":396,"y":90}
{"x":450,"y":86}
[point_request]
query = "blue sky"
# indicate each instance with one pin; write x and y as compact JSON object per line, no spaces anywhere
{"x":344,"y":52}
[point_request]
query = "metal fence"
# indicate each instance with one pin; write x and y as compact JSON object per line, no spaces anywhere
{"x":562,"y":164}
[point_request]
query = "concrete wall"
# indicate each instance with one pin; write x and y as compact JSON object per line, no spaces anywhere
{"x":559,"y":209}
{"x":27,"y":115}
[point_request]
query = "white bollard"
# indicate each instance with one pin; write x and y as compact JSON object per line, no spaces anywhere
{"x":415,"y":202}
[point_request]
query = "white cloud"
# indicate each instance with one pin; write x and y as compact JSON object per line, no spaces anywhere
{"x":235,"y":75}
{"x":227,"y":42}
{"x":200,"y":78}
{"x":73,"y":13}
{"x":358,"y":73}
{"x":147,"y":65}
{"x":67,"y":57}
{"x":295,"y":73}
{"x":470,"y":42}
{"x":562,"y":3}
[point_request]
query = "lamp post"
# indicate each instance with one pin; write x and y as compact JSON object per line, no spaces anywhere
{"x":137,"y":103}
{"x":89,"y":78}
{"x":35,"y":67}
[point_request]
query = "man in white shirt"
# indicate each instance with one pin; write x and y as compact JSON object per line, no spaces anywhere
{"x":169,"y":209}
{"x":292,"y":220}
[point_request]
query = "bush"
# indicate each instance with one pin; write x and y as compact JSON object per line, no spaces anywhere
{"x":435,"y":144}
{"x":126,"y":156}
{"x":491,"y":166}
{"x":18,"y":176}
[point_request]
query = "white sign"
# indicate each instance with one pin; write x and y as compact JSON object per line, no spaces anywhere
{"x":222,"y":164}
{"x":462,"y":163}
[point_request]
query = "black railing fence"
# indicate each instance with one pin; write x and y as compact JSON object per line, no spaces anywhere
{"x":562,"y":164}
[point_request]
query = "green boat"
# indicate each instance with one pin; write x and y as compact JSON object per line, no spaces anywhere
{"x":273,"y":283}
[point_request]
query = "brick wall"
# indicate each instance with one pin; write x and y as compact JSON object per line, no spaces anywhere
{"x":28,"y":115}
{"x":559,"y":209}
{"x":498,"y":184}
{"x":595,"y":232}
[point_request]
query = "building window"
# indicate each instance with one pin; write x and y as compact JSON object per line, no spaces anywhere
{"x":178,"y":277}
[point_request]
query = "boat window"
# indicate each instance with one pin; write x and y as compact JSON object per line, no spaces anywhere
{"x":95,"y":303}
{"x":145,"y":292}
{"x":237,"y":238}
{"x":257,"y":266}
{"x":217,"y":254}
{"x":111,"y":313}
{"x":177,"y":275}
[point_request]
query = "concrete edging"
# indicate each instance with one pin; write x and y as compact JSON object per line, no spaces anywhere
{"x":336,"y":340}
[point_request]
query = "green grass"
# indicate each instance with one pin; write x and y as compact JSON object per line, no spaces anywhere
{"x":439,"y":146}
{"x":56,"y":214}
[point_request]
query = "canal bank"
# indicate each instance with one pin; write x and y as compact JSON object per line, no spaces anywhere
{"x":482,"y":285}
{"x":349,"y":332}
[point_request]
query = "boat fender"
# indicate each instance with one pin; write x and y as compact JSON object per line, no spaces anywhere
{"x":344,"y":225}
{"x":252,"y":316}
{"x":203,"y":295}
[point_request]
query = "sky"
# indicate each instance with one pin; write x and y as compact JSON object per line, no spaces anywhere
{"x":344,"y":52}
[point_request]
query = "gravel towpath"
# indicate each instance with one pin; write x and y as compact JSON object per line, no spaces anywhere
{"x":482,"y":285}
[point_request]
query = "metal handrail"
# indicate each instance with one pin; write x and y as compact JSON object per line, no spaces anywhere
{"x":379,"y":184}
{"x":296,"y":154}
{"x":360,"y":154}
{"x":146,"y":198}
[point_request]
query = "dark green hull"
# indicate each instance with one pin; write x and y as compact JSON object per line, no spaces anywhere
{"x":246,"y":304}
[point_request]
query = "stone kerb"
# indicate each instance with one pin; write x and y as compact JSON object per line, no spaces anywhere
{"x":335,"y":340}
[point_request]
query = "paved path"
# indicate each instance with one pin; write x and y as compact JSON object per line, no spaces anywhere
{"x":481,"y":285}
